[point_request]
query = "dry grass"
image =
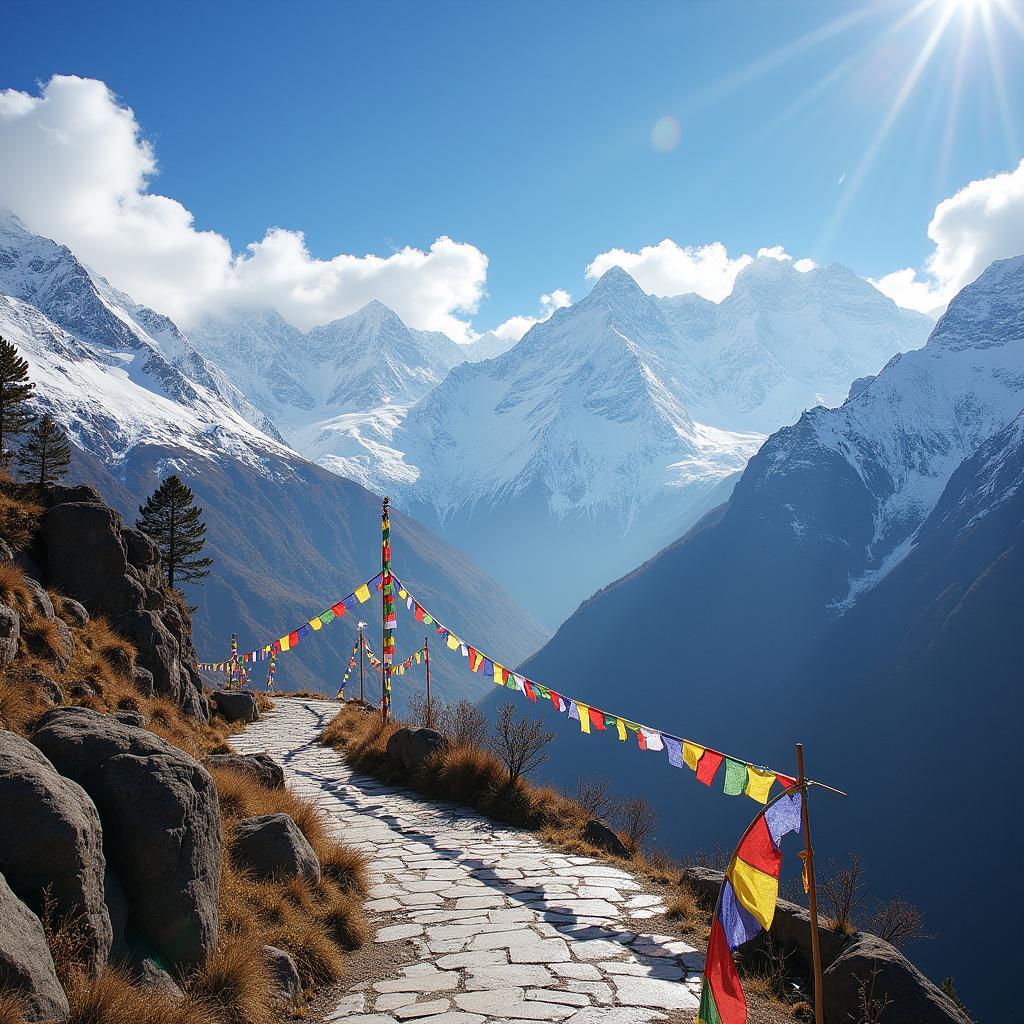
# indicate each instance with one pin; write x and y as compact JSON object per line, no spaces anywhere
{"x":19,"y":517}
{"x":234,"y":982}
{"x":14,"y":591}
{"x":687,"y":909}
{"x":20,"y":705}
{"x":110,"y":998}
{"x":13,"y":1008}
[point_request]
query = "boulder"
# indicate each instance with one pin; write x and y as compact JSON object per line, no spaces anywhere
{"x":61,"y":494}
{"x":128,"y":717}
{"x":273,"y":846}
{"x":152,"y":974}
{"x":598,"y":834}
{"x":73,"y":612}
{"x":236,"y":705}
{"x":85,"y":558}
{"x":26,"y":966}
{"x":49,"y":689}
{"x":52,"y":844}
{"x":412,"y":747}
{"x":192,"y":701}
{"x":261,"y":767}
{"x":161,"y":823}
{"x":884,"y":974}
{"x":144,"y":682}
{"x":140,"y":548}
{"x":284,"y":973}
{"x":64,"y":649}
{"x":159,"y":651}
{"x":10,"y":634}
{"x":40,"y":598}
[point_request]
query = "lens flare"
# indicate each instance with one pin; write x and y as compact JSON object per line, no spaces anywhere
{"x":665,"y":134}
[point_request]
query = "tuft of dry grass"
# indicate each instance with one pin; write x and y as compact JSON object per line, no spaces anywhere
{"x":234,"y":982}
{"x":13,"y":1007}
{"x":687,"y":909}
{"x":14,"y":591}
{"x":110,"y":998}
{"x":19,"y":517}
{"x":20,"y":704}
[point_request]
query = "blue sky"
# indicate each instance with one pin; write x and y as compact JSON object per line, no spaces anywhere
{"x":525,"y":128}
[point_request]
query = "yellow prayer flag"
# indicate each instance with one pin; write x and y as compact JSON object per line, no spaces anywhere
{"x":285,"y":646}
{"x":759,"y":784}
{"x":584,"y":710}
{"x":453,"y":642}
{"x":620,"y":727}
{"x":363,"y":594}
{"x":315,"y":622}
{"x":498,"y":678}
{"x":403,"y":594}
{"x":692,"y":753}
{"x":757,"y":892}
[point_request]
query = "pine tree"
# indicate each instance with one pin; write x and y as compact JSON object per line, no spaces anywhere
{"x":173,"y":520}
{"x":46,"y":453}
{"x":15,"y":389}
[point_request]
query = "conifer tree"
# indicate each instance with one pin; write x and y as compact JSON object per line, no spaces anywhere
{"x":173,"y":520}
{"x":15,"y":389}
{"x":46,"y":453}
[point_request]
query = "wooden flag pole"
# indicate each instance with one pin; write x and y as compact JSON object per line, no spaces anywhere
{"x":385,"y":569}
{"x":426,"y":658}
{"x":362,"y":695}
{"x":812,"y":894}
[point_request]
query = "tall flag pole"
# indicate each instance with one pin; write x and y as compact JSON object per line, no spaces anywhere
{"x":362,"y":644}
{"x":271,"y":670}
{"x":812,"y":893}
{"x":426,"y":658}
{"x":390,"y":621}
{"x":233,"y":661}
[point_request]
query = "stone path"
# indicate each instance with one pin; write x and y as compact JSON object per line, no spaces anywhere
{"x":500,"y":926}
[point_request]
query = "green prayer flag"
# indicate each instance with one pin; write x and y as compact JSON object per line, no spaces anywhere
{"x":327,"y":616}
{"x":708,"y":1012}
{"x":735,"y":777}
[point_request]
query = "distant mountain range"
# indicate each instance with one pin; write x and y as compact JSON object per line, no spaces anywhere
{"x":288,"y":537}
{"x":860,"y":591}
{"x":604,"y":433}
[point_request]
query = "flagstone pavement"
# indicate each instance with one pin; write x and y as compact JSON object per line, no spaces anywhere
{"x":495,"y":925}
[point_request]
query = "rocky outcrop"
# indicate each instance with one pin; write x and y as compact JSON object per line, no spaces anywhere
{"x":849,"y":962}
{"x":161,"y":825}
{"x":52,"y":847}
{"x":84,"y":550}
{"x":285,"y":974}
{"x":26,"y":966}
{"x":10,"y":633}
{"x":261,"y":767}
{"x":411,"y":748}
{"x":598,"y":834}
{"x":273,"y":846}
{"x":236,"y":705}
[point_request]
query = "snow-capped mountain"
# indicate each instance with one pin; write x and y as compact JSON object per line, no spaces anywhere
{"x":615,"y":424}
{"x":287,"y":536}
{"x":46,"y":276}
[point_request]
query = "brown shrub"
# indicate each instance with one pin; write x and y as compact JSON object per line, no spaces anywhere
{"x":110,"y":998}
{"x":13,"y":590}
{"x":42,"y":637}
{"x":687,"y":909}
{"x":20,"y":704}
{"x":19,"y":517}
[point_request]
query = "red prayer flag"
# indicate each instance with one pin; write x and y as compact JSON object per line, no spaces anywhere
{"x":419,"y":612}
{"x":720,"y":974}
{"x":339,"y":609}
{"x":556,"y":700}
{"x":759,"y":851}
{"x":597,"y":718}
{"x":293,"y":639}
{"x":708,"y":765}
{"x":528,"y":690}
{"x":785,"y":781}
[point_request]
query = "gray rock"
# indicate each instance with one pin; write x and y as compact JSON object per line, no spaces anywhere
{"x":598,"y":834}
{"x":411,"y":748}
{"x":260,"y":766}
{"x":40,"y":598}
{"x":236,"y":705}
{"x":886,"y":975}
{"x":65,"y":645}
{"x":161,"y":822}
{"x":151,"y":974}
{"x":127,"y":717}
{"x":6,"y":551}
{"x":10,"y":634}
{"x":26,"y":966}
{"x":50,"y":690}
{"x":285,"y":974}
{"x":144,"y":683}
{"x":159,"y":651}
{"x":140,"y":549}
{"x":52,"y":843}
{"x":73,"y":612}
{"x":273,"y":846}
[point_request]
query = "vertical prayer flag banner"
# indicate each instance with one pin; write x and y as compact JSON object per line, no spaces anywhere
{"x":387,"y":607}
{"x":746,"y":904}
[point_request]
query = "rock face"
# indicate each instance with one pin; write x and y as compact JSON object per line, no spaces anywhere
{"x":54,"y":846}
{"x":236,"y":706}
{"x":161,"y":825}
{"x":285,"y":974}
{"x":884,"y":974}
{"x":262,"y":767}
{"x":600,"y":835}
{"x":25,"y":962}
{"x":10,"y":632}
{"x":273,"y":846}
{"x":105,"y":568}
{"x":411,"y":748}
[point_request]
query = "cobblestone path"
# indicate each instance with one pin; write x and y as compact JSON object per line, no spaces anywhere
{"x":494,"y":925}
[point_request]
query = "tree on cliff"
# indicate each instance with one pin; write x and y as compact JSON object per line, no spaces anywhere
{"x":173,"y":520}
{"x":46,"y":453}
{"x":15,"y":389}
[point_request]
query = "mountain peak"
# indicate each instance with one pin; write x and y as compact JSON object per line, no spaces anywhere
{"x":616,"y":281}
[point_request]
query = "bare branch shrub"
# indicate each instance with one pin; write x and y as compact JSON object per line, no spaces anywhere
{"x":872,"y":1008}
{"x":897,"y":921}
{"x":595,"y":797}
{"x":635,"y":821}
{"x":520,"y":743}
{"x":842,"y":892}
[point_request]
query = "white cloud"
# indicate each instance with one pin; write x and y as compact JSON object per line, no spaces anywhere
{"x":983,"y":222}
{"x":515,"y":327}
{"x":76,"y":168}
{"x":671,"y":269}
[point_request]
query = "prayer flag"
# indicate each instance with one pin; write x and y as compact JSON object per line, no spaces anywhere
{"x":597,"y":719}
{"x":721,"y":999}
{"x":453,"y":642}
{"x":620,"y":728}
{"x":735,"y":777}
{"x":528,"y":690}
{"x":651,"y":739}
{"x":759,"y":784}
{"x":708,"y":765}
{"x":363,"y":594}
{"x":285,"y":643}
{"x":691,"y":754}
{"x":315,"y":623}
{"x":583,"y":711}
{"x":674,"y":750}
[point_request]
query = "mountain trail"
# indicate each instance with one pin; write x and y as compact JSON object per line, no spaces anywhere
{"x":475,"y":921}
